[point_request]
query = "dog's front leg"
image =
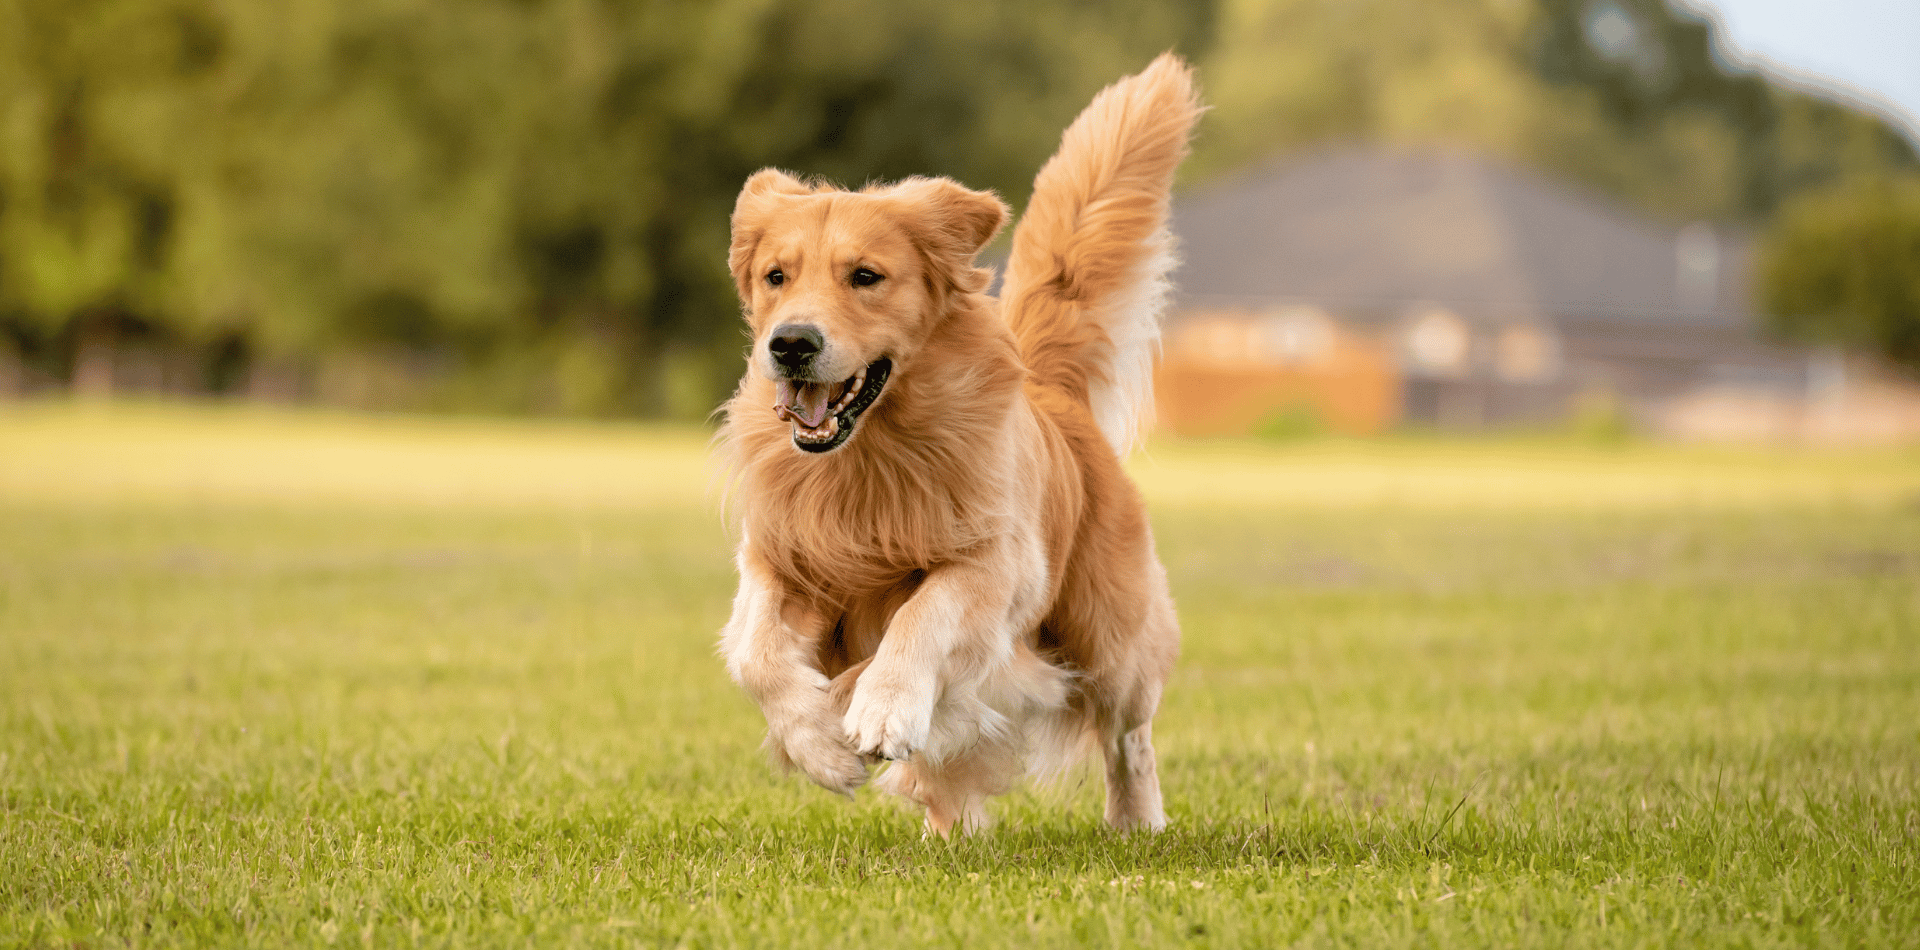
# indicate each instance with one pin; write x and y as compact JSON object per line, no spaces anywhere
{"x":958,"y":622}
{"x":770,"y":645}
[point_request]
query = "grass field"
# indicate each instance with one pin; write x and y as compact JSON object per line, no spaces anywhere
{"x":274,"y":679}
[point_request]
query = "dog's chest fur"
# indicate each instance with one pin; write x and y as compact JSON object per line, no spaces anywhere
{"x":855,"y":526}
{"x":924,"y":483}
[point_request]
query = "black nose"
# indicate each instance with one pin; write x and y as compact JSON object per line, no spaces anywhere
{"x":794,"y":345}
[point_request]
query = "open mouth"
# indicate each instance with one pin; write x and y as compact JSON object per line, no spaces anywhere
{"x":823,"y":414}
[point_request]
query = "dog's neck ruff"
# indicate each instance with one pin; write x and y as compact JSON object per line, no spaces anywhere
{"x":913,"y":487}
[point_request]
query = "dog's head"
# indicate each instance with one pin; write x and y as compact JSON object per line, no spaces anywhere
{"x":842,"y":288}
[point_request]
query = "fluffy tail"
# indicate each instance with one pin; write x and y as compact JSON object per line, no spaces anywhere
{"x":1088,"y":274}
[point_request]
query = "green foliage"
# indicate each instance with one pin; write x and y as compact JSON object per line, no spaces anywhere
{"x":86,"y":134}
{"x":1624,"y":96}
{"x":1842,"y":266}
{"x":1291,"y":423}
{"x":454,"y":686}
{"x":1599,"y":418}
{"x":410,"y":189}
{"x":521,"y":205}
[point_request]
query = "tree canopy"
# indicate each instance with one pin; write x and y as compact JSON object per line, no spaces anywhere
{"x":521,"y":204}
{"x":530,"y":194}
{"x":1841,"y":266}
{"x":1625,"y":96}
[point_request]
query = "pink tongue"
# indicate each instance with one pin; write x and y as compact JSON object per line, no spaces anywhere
{"x":806,"y":402}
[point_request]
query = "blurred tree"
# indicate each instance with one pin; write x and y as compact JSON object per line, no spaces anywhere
{"x":1625,"y":95}
{"x":522,"y":202}
{"x":1842,"y":266}
{"x":1653,"y":72}
{"x":86,"y":213}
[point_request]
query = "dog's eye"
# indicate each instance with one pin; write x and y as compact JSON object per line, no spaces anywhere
{"x":776,"y":278}
{"x":863,"y":277}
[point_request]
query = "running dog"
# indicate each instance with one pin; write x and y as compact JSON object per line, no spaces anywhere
{"x":942,"y":563}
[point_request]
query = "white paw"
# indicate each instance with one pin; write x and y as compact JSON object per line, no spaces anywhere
{"x":890,"y":715}
{"x":812,"y":745}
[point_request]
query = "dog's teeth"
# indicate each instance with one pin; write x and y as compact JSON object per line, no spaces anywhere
{"x":825,"y":432}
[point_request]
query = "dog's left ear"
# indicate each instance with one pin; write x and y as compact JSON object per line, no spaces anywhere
{"x":952,"y":223}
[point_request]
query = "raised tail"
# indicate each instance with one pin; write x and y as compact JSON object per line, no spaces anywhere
{"x":1088,"y":273}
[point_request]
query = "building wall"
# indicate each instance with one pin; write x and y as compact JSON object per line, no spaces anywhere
{"x":1237,"y":372}
{"x":1233,"y":373}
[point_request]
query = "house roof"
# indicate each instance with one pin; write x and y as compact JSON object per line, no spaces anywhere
{"x":1372,"y":232}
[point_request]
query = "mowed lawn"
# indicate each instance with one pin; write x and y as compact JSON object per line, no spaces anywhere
{"x":280,"y":678}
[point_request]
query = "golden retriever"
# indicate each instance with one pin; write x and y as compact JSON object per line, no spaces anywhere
{"x":941,"y":561}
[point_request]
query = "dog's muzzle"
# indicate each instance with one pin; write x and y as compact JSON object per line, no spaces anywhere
{"x":824,"y":414}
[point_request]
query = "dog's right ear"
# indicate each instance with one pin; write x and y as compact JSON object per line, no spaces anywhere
{"x":748,"y":212}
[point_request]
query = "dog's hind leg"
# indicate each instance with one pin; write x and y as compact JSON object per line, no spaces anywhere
{"x":1127,"y":678}
{"x":1126,"y":739}
{"x":1133,"y":780}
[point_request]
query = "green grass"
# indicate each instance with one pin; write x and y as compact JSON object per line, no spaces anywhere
{"x":275,"y":678}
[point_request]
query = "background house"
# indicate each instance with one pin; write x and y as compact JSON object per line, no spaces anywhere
{"x":1367,"y":289}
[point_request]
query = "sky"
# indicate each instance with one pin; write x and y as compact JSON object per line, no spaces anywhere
{"x":1868,"y":50}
